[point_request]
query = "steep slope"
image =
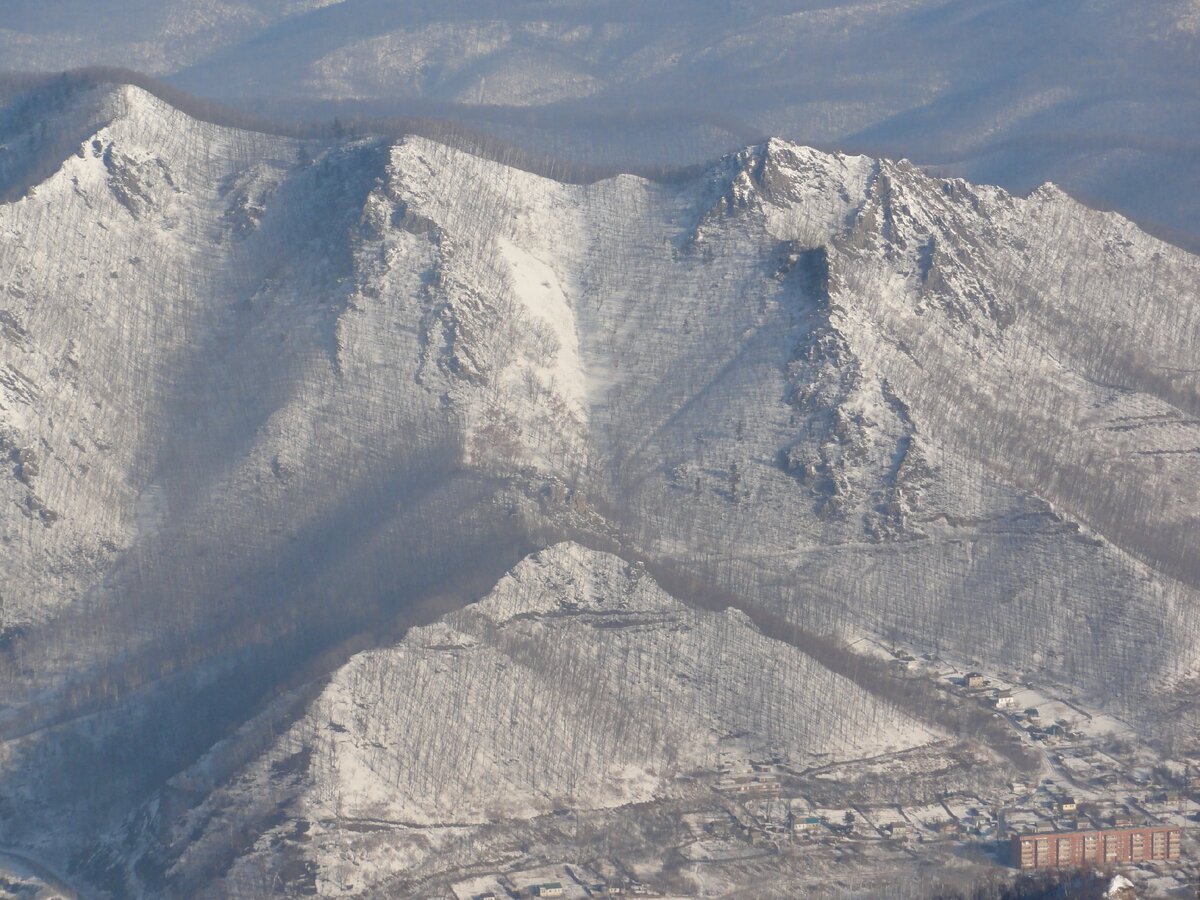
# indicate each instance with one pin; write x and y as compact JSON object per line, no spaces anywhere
{"x":578,"y":683}
{"x":108,"y":274}
{"x":203,"y":487}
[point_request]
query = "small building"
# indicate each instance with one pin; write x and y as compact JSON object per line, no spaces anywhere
{"x":748,"y":783}
{"x":806,"y":824}
{"x":1006,"y":701}
{"x":974,"y":680}
{"x":1068,"y":805}
{"x":550,"y":889}
{"x":898,"y":830}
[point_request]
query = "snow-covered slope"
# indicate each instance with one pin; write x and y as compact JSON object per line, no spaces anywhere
{"x":215,"y":338}
{"x":260,"y":395}
{"x":576,"y":683}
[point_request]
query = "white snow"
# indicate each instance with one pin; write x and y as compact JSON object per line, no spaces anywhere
{"x":536,"y":286}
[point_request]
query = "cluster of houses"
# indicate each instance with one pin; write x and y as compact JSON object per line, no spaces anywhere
{"x":762,"y":813}
{"x":1061,"y":831}
{"x":556,"y":889}
{"x":776,"y":821}
{"x":1004,"y":700}
{"x":547,"y":889}
{"x":771,"y":823}
{"x":748,"y":778}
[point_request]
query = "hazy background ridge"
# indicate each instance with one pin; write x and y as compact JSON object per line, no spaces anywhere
{"x":1100,"y":97}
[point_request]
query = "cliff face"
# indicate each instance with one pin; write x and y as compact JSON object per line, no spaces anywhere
{"x":258,"y":395}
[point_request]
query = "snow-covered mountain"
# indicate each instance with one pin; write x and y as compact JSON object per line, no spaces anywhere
{"x":805,"y":360}
{"x":260,"y":397}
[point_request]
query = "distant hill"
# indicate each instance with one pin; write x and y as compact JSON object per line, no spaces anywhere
{"x":1098,"y":96}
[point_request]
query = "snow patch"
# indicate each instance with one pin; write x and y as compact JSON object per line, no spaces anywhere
{"x":537,"y":286}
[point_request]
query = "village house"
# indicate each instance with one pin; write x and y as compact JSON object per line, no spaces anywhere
{"x":974,"y":680}
{"x":898,"y":830}
{"x":550,"y":889}
{"x":757,"y":780}
{"x":806,"y":824}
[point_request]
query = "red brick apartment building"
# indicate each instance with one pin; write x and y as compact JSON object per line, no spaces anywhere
{"x":1062,"y":849}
